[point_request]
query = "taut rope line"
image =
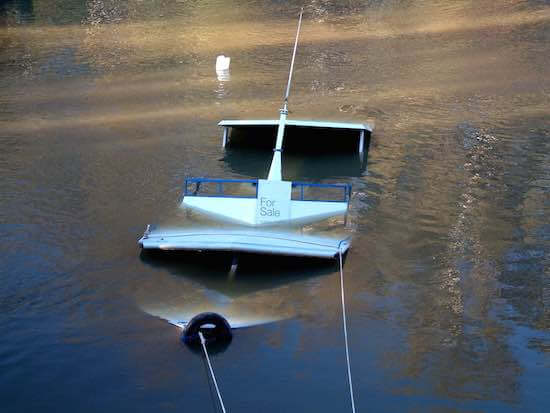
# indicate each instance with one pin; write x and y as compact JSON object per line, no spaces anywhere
{"x":203,"y":343}
{"x":346,"y":332}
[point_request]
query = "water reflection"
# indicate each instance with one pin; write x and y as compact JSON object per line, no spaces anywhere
{"x":296,"y":166}
{"x":13,"y":12}
{"x":105,"y":106}
{"x":255,"y":273}
{"x":222,"y":90}
{"x":202,"y":282}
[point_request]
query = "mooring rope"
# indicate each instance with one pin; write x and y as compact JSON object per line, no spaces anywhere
{"x":203,"y":343}
{"x":346,"y":332}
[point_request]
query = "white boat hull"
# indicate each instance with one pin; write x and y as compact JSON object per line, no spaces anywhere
{"x":251,"y":241}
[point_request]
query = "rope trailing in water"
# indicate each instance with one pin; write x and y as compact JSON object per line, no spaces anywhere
{"x":346,"y":332}
{"x":203,"y":343}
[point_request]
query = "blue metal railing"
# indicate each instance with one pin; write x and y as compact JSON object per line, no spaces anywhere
{"x":194,"y":186}
{"x":345,"y":194}
{"x":219,"y":191}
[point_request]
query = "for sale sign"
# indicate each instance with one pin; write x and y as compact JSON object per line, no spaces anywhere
{"x":273,"y":203}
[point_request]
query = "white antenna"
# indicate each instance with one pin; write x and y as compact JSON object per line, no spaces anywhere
{"x":293,"y":57}
{"x":275,"y":169}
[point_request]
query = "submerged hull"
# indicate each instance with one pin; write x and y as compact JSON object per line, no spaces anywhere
{"x":250,"y":241}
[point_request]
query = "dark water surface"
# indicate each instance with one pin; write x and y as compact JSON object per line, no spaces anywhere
{"x":105,"y":106}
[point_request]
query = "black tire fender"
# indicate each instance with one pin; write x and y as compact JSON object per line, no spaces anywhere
{"x":219,"y":333}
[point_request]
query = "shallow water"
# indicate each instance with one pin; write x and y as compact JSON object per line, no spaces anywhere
{"x":105,"y":107}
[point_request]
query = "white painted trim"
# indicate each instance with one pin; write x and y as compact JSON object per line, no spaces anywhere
{"x":301,"y":123}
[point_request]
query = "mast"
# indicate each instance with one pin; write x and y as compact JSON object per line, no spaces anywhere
{"x":275,"y":173}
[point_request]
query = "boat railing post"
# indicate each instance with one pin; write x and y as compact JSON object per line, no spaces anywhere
{"x":225,"y":135}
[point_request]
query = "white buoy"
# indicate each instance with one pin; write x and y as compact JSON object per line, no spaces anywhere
{"x":222,"y":63}
{"x":222,"y":68}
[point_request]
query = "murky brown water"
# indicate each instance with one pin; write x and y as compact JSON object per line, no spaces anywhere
{"x":105,"y":107}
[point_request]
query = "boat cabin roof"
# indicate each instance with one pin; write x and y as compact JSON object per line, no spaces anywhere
{"x":322,"y":132}
{"x":297,"y":123}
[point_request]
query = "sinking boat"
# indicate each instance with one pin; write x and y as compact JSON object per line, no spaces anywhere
{"x":264,"y":216}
